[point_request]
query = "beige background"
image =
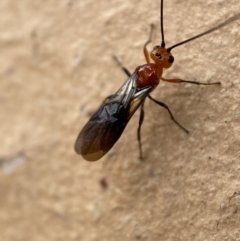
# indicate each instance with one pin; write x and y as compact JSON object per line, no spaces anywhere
{"x":56,"y":68}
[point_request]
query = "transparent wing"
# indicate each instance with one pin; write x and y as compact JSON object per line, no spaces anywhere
{"x":105,"y":127}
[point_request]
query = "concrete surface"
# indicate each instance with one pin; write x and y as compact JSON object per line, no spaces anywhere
{"x":56,"y":67}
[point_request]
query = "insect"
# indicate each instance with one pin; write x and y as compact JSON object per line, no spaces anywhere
{"x":107,"y":124}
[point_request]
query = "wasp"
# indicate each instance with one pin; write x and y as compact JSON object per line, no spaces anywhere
{"x":107,"y":124}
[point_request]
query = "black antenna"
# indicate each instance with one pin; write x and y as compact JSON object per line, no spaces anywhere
{"x":221,"y":25}
{"x":161,"y":24}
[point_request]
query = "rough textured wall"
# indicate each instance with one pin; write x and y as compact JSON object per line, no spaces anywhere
{"x":56,"y":67}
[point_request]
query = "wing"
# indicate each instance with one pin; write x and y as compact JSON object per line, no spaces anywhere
{"x":105,"y":127}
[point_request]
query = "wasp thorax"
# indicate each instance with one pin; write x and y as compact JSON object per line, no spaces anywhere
{"x":162,"y":57}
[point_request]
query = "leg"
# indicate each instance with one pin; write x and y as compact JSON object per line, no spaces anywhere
{"x":141,"y":119}
{"x":188,"y":81}
{"x":170,"y":113}
{"x":145,"y":51}
{"x":126,"y":71}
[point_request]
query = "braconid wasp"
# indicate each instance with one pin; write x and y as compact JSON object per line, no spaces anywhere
{"x":107,"y":124}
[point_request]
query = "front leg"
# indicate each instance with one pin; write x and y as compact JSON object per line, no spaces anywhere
{"x":145,"y":51}
{"x":189,"y":81}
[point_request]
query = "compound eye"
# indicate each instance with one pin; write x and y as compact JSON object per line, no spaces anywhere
{"x":156,"y":47}
{"x":159,"y":56}
{"x":171,"y":59}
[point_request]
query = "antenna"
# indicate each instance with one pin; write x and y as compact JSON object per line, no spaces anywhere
{"x":221,"y":25}
{"x":161,"y":24}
